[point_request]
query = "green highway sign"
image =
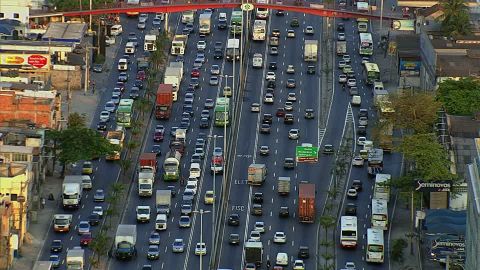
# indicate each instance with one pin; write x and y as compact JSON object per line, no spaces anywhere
{"x":306,"y":154}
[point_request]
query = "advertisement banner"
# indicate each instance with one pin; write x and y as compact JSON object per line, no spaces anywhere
{"x":410,"y":67}
{"x":36,"y":61}
{"x":403,"y":25}
{"x":437,"y":186}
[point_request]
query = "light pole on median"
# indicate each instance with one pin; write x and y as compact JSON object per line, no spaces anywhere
{"x":201,"y":212}
{"x":214,"y":186}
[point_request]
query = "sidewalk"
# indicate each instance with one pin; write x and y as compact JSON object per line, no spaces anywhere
{"x":38,"y":227}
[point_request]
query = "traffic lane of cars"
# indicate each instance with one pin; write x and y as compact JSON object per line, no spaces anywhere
{"x":100,"y":178}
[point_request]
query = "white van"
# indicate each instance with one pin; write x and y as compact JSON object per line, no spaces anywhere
{"x":116,"y":30}
{"x":282,"y":259}
{"x":195,"y":170}
{"x":130,"y":48}
{"x":86,"y":182}
{"x":222,"y":17}
{"x":161,"y":222}
{"x":122,"y":64}
{"x":257,"y":61}
{"x":356,"y":100}
{"x":378,"y":86}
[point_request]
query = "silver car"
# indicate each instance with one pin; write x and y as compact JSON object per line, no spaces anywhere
{"x":178,"y":246}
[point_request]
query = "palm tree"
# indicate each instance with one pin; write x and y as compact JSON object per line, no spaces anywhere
{"x":327,"y":222}
{"x":456,"y":18}
{"x":131,"y":145}
{"x":125,"y":164}
{"x":100,"y":245}
{"x":143,"y":105}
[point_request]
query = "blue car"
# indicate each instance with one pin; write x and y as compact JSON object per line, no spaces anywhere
{"x":55,"y":259}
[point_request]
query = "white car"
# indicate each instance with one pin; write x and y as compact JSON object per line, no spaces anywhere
{"x":280,"y":237}
{"x":192,"y":185}
{"x":200,"y":248}
{"x":201,"y":45}
{"x":350,"y":265}
{"x":110,"y":106}
{"x":357,"y":161}
{"x":292,"y":97}
{"x":346,"y":58}
{"x":341,"y":36}
{"x":255,"y":107}
{"x":288,"y":106}
{"x":143,"y":17}
{"x":141,"y":25}
{"x":309,"y":30}
{"x":352,"y":82}
{"x":268,"y":98}
{"x":290,"y":69}
{"x":342,"y":78}
{"x":293,"y":134}
{"x":352,"y":193}
{"x":104,"y":116}
{"x":259,"y":226}
{"x":109,"y":40}
{"x":98,"y":210}
{"x":298,"y":265}
{"x":290,"y":34}
{"x":255,"y":236}
{"x":361,"y":140}
{"x":270,"y":76}
{"x":282,"y":259}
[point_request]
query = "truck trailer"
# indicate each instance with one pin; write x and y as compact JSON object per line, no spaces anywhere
{"x":125,"y":240}
{"x":256,"y":174}
{"x":75,"y":258}
{"x":306,"y":202}
{"x":164,"y":101}
{"x":163,"y":201}
{"x":311,"y":51}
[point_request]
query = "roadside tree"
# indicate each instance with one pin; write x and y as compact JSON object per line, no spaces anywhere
{"x":460,"y":97}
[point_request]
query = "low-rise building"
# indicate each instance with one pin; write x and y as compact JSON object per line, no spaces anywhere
{"x":472,"y":246}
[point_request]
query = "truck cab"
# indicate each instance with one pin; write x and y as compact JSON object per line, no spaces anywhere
{"x":143,"y":213}
{"x":62,"y":222}
{"x":161,"y":222}
{"x":130,"y":48}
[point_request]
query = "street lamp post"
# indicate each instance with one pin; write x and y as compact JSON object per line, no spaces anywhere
{"x":214,"y":192}
{"x":201,"y":212}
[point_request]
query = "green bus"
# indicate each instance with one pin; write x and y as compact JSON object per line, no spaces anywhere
{"x":125,"y":113}
{"x":222,"y":112}
{"x":236,"y":22}
{"x":371,"y":72}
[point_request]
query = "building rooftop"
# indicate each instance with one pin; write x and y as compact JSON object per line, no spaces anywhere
{"x":458,"y":65}
{"x":12,"y":169}
{"x":463,"y":126}
{"x":464,"y":151}
{"x":442,"y":42}
{"x":72,"y":32}
{"x":408,"y":44}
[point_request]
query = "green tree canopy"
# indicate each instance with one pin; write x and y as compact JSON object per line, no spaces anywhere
{"x":455,"y":19}
{"x":415,"y":112}
{"x":69,"y":5}
{"x":430,"y":159}
{"x":76,"y":120}
{"x":80,"y":143}
{"x":460,"y":97}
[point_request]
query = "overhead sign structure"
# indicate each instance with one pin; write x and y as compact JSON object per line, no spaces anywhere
{"x":39,"y":61}
{"x":306,"y":154}
{"x":437,"y":186}
{"x":247,"y":7}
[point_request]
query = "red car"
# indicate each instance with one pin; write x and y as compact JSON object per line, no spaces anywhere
{"x":195,"y":73}
{"x":86,"y":239}
{"x":141,"y":75}
{"x":159,"y":133}
{"x":280,"y":112}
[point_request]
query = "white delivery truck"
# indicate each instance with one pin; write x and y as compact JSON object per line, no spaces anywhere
{"x":143,"y":213}
{"x":311,"y":51}
{"x":179,"y":43}
{"x":233,"y":49}
{"x":256,"y":174}
{"x":205,"y":21}
{"x":163,"y":201}
{"x":72,"y":191}
{"x":75,"y":258}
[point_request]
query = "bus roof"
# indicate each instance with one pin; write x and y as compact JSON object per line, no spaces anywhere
{"x":374,"y":236}
{"x":366,"y":37}
{"x":347,"y":222}
{"x":379,"y":206}
{"x":125,"y":102}
{"x":382,"y":177}
{"x":371,"y":67}
{"x":362,"y":19}
{"x":259,"y":23}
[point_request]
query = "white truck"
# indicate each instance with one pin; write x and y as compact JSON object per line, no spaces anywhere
{"x":62,"y":222}
{"x":173,"y":76}
{"x":233,"y":49}
{"x":72,"y":191}
{"x":205,"y":21}
{"x":146,"y":174}
{"x":188,"y":16}
{"x":179,"y":43}
{"x":143,"y":213}
{"x":163,"y":201}
{"x":75,"y":258}
{"x":43,"y":265}
{"x":125,"y":240}
{"x":171,"y":165}
{"x":311,"y":51}
{"x":150,"y":43}
{"x":116,"y":137}
{"x":178,"y":65}
{"x":341,"y":47}
{"x":257,"y":60}
{"x":256,"y":174}
{"x":180,"y":134}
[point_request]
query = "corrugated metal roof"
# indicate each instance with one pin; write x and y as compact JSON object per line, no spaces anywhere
{"x":58,"y":31}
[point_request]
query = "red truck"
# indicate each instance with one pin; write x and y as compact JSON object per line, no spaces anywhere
{"x":306,"y":202}
{"x":163,"y":103}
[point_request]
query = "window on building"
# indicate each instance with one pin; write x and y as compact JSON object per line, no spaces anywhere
{"x":2,"y":15}
{"x":19,"y":157}
{"x":16,"y":16}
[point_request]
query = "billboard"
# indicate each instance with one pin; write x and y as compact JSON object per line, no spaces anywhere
{"x":410,"y":67}
{"x":306,"y":154}
{"x":35,"y":61}
{"x":403,"y":25}
{"x":437,"y":186}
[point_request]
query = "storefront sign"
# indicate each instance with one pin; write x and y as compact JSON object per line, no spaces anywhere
{"x":437,"y":186}
{"x":403,"y":25}
{"x":39,"y":61}
{"x":409,"y":67}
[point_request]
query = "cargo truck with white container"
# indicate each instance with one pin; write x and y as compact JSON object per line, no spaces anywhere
{"x":146,"y":174}
{"x":311,"y":51}
{"x":254,"y":253}
{"x":341,"y":47}
{"x":163,"y":201}
{"x":179,"y":43}
{"x":173,"y":76}
{"x":125,"y":241}
{"x":72,"y":191}
{"x":75,"y":258}
{"x":256,"y":174}
{"x":171,"y":166}
{"x":205,"y":21}
{"x":283,"y":185}
{"x":233,"y":49}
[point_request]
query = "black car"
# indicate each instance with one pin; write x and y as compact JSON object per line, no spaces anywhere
{"x":341,"y":27}
{"x":204,"y":123}
{"x":134,"y":92}
{"x":283,"y":212}
{"x":234,"y":220}
{"x":222,"y":25}
{"x":272,"y":66}
{"x":363,"y":113}
{"x":218,"y":54}
{"x":288,"y":163}
{"x":234,"y":239}
{"x":357,"y":185}
{"x":257,"y":197}
{"x":94,"y":219}
{"x":157,"y":149}
{"x":350,"y":209}
{"x":102,"y":125}
{"x":173,"y":191}
{"x":271,"y":84}
{"x":56,"y":246}
{"x":288,"y":118}
{"x":280,"y":12}
{"x":294,"y":22}
{"x":362,"y":130}
{"x":188,"y":109}
{"x":267,"y":118}
{"x":309,"y":114}
{"x":311,"y":69}
{"x":303,"y":252}
{"x":218,"y":45}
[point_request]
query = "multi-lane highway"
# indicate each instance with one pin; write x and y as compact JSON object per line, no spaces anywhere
{"x":308,"y":92}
